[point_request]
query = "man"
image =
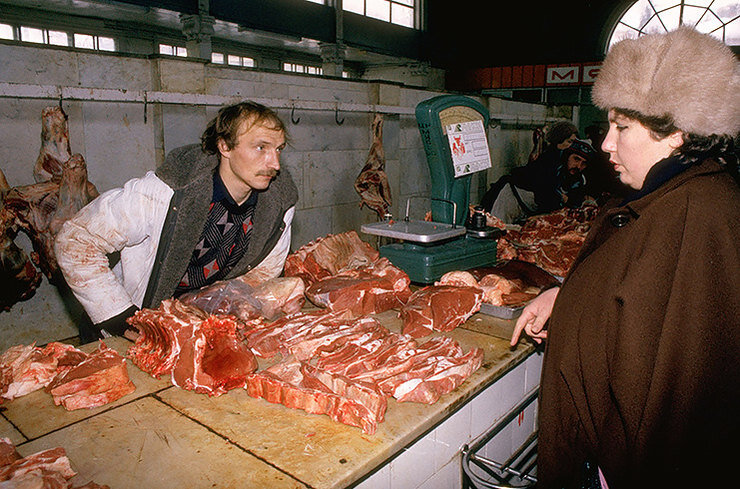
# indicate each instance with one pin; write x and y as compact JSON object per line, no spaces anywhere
{"x":212,"y":211}
{"x":542,"y":186}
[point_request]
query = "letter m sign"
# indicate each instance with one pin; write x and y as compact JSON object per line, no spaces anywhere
{"x":557,"y":75}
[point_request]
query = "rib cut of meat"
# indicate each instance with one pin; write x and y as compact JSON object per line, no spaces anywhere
{"x":98,"y":380}
{"x":201,"y":352}
{"x":246,"y":300}
{"x":365,"y":290}
{"x":328,"y":256}
{"x":439,"y":308}
{"x":301,"y":386}
{"x":372,"y":182}
{"x":27,"y":368}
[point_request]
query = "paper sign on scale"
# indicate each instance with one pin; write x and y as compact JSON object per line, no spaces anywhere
{"x":468,"y":147}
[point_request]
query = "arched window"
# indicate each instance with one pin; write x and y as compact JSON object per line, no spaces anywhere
{"x":720,"y":18}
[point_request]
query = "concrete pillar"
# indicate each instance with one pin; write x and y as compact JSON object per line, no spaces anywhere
{"x":198,"y":30}
{"x":332,"y":58}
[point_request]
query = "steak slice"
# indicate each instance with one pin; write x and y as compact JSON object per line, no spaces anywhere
{"x":439,"y":308}
{"x":98,"y":380}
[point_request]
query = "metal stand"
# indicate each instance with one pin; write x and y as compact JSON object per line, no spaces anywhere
{"x":516,"y":472}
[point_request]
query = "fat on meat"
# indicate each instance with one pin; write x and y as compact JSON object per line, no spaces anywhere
{"x":372,"y":182}
{"x":53,"y":461}
{"x":328,"y":256}
{"x":98,"y":380}
{"x":27,"y":368}
{"x":365,"y":290}
{"x":458,"y":277}
{"x":300,"y":385}
{"x":439,"y":308}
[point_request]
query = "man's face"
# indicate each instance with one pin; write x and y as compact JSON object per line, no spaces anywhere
{"x":253,"y":162}
{"x":576,"y":163}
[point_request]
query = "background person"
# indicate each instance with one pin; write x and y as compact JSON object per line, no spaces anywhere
{"x":212,"y":211}
{"x":643,"y":339}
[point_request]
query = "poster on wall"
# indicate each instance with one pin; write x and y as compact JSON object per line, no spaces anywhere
{"x":469,"y":147}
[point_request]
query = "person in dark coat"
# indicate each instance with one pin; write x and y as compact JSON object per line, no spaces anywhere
{"x":640,"y":384}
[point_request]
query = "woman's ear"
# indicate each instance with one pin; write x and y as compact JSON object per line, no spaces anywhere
{"x":675,"y":140}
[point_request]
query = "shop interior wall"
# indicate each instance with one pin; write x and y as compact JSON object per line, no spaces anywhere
{"x":120,"y":141}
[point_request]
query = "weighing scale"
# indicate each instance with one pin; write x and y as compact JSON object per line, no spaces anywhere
{"x":453,"y":132}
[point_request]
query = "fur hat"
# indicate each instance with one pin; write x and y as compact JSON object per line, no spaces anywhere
{"x":581,"y":148}
{"x":689,"y":76}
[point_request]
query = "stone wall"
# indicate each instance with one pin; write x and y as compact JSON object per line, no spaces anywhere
{"x":121,"y":140}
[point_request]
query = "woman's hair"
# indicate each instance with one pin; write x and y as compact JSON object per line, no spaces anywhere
{"x":694,"y":147}
{"x":228,"y":123}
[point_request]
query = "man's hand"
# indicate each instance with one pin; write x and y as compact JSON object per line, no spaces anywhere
{"x":534,"y":316}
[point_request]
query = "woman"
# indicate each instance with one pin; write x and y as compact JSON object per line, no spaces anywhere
{"x":642,"y":361}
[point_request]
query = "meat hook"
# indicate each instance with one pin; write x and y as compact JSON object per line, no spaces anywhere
{"x":336,"y":117}
{"x":294,"y":120}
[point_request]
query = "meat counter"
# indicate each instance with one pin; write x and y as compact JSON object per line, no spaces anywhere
{"x":161,"y":436}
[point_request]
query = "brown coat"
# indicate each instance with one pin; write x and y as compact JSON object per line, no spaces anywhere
{"x":642,"y":365}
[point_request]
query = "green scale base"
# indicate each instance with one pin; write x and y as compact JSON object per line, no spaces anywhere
{"x":426,"y":263}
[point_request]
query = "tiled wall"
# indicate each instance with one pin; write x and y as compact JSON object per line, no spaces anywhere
{"x":411,"y":468}
{"x":120,"y":141}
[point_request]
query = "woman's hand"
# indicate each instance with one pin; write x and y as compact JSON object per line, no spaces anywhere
{"x":534,"y":316}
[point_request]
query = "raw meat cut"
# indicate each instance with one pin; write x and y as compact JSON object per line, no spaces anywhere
{"x":247,"y":300}
{"x":301,"y":386}
{"x":460,"y":278}
{"x":98,"y":380}
{"x":364,"y":290}
{"x":372,"y":182}
{"x":27,"y":368}
{"x":39,"y":210}
{"x":328,"y":256}
{"x":439,"y":308}
{"x":201,"y":352}
{"x":48,"y":469}
{"x":550,"y":241}
{"x":55,"y":149}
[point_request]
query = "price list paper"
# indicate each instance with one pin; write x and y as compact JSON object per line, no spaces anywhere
{"x":469,"y":147}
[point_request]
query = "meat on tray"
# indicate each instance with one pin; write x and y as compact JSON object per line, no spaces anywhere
{"x":99,"y":379}
{"x":364,"y":290}
{"x":45,"y":469}
{"x":27,"y":368}
{"x":328,"y":256}
{"x":439,"y":308}
{"x":302,"y":386}
{"x":247,"y":300}
{"x":200,"y":352}
{"x":550,"y":241}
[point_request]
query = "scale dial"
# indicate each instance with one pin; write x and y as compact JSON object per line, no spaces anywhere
{"x":458,"y":113}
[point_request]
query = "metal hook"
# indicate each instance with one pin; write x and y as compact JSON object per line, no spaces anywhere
{"x":292,"y":118}
{"x":145,"y":107}
{"x":336,"y":117}
{"x":61,"y":97}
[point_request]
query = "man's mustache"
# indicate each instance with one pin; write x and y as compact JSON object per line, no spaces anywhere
{"x":268,"y":173}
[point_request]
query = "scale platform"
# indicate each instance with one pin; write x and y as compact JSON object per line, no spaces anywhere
{"x":420,"y":231}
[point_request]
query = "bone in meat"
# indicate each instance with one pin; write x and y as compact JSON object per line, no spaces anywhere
{"x":372,"y":182}
{"x":55,"y":149}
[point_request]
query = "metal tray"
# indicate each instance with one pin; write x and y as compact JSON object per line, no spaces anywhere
{"x":504,"y":312}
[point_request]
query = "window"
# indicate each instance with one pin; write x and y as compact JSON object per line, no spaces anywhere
{"x":56,"y":38}
{"x":173,"y":50}
{"x":399,"y":12}
{"x":298,"y":68}
{"x":720,"y":18}
{"x":232,"y":60}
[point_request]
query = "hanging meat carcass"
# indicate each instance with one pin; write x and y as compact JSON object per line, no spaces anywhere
{"x":372,"y":182}
{"x":40,"y":209}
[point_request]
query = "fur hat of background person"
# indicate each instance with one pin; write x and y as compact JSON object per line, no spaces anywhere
{"x":691,"y":77}
{"x":559,"y":132}
{"x":582,"y":148}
